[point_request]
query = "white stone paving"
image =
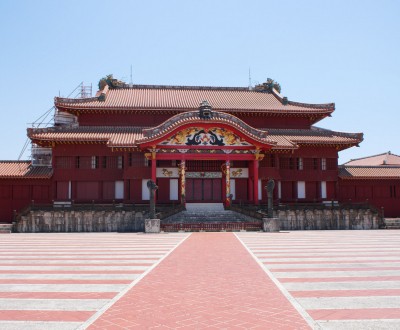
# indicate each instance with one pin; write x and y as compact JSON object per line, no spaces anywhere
{"x":52,"y":304}
{"x":68,"y":276}
{"x":360,"y":325}
{"x":24,"y":325}
{"x":61,"y":287}
{"x":333,"y":274}
{"x":362,"y":285}
{"x":67,"y":268}
{"x":350,"y":302}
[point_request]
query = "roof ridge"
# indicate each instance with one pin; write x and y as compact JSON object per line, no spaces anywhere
{"x":14,"y":161}
{"x":102,"y":95}
{"x":365,"y":157}
{"x":369,"y":166}
{"x":185,"y":87}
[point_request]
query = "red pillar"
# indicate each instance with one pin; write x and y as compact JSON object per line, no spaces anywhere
{"x":154,"y":171}
{"x":255,"y":182}
{"x":153,"y":167}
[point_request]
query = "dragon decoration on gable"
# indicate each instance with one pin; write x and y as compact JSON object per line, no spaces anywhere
{"x":214,"y":136}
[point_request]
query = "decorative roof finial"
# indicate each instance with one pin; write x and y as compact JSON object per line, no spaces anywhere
{"x":205,"y":110}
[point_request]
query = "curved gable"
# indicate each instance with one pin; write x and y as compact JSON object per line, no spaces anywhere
{"x":219,"y":130}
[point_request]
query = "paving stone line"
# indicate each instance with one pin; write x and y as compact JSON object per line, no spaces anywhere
{"x":51,"y":283}
{"x":341,"y":288}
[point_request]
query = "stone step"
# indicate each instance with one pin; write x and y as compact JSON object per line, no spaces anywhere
{"x":206,"y":217}
{"x":204,"y":207}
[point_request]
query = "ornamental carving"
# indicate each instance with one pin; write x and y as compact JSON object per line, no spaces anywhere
{"x":237,"y":173}
{"x":214,"y":136}
{"x":204,"y":175}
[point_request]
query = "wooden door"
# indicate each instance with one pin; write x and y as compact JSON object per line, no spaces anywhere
{"x":207,"y":189}
{"x":163,"y":190}
{"x":217,"y":190}
{"x":189,"y":189}
{"x":197,"y":190}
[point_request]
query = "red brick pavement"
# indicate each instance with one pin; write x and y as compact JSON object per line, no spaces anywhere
{"x":208,"y":281}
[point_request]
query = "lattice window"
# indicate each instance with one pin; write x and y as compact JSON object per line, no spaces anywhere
{"x":94,"y":162}
{"x":64,"y":162}
{"x":120,"y":162}
{"x":268,"y":161}
{"x":204,"y":165}
{"x":299,"y":163}
{"x":85,"y":162}
{"x":331,"y":163}
{"x":111,"y":162}
{"x":323,"y":164}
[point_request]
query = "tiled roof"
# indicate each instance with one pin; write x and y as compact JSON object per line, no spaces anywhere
{"x":113,"y":136}
{"x":183,"y":98}
{"x":315,"y":135}
{"x":128,"y":136}
{"x":369,"y":172}
{"x":386,"y":158}
{"x":23,"y":170}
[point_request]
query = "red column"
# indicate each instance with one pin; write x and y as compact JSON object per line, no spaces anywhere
{"x":227,"y":183}
{"x":255,"y":182}
{"x":182,"y":170}
{"x":154,"y":170}
{"x":153,"y":167}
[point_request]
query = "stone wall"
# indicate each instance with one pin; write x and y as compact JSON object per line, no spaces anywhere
{"x":328,"y":219}
{"x":81,"y":221}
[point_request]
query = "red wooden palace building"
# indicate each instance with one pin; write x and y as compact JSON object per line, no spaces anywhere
{"x":200,"y":144}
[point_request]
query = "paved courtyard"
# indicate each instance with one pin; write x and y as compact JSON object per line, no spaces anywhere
{"x":287,"y":280}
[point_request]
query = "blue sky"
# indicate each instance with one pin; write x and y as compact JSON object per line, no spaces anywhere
{"x":347,"y":52}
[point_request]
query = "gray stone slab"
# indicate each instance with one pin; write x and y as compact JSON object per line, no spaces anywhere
{"x":74,"y":268}
{"x":349,"y":265}
{"x":33,"y":325}
{"x":311,"y":286}
{"x":93,"y":262}
{"x":350,"y":302}
{"x":332,"y":258}
{"x":52,"y":304}
{"x":69,"y":277}
{"x":333,"y":274}
{"x":360,"y":325}
{"x":61,"y":287}
{"x":45,"y":256}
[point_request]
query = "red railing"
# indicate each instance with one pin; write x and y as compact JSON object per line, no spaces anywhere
{"x":223,"y":226}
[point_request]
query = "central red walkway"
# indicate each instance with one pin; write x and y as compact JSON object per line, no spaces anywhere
{"x":210,"y":281}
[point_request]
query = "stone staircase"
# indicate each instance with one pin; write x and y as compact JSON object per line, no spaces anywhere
{"x":207,"y":213}
{"x":392,"y":223}
{"x":5,"y":228}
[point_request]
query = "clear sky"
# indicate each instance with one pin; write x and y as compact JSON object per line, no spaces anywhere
{"x":347,"y":52}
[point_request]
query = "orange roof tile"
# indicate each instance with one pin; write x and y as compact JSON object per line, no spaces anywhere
{"x":315,"y":135}
{"x":189,"y":98}
{"x":113,"y":136}
{"x":369,"y":172}
{"x":23,"y":170}
{"x":386,"y":158}
{"x":117,"y":136}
